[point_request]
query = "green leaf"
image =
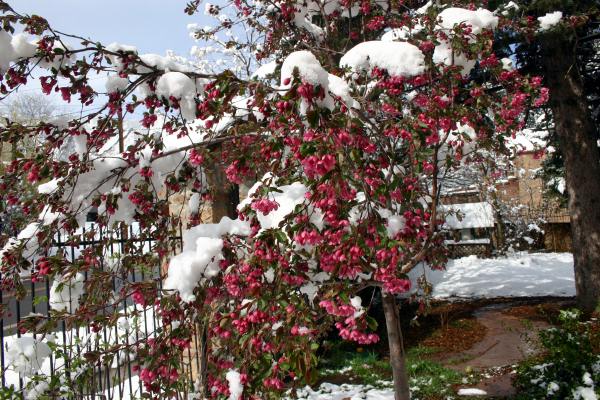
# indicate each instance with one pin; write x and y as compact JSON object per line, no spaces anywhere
{"x":262,"y":304}
{"x":244,"y":339}
{"x":372,"y":323}
{"x":39,"y":299}
{"x":344,"y":297}
{"x":280,"y":236}
{"x":307,"y":149}
{"x":313,"y":118}
{"x":382,"y":230}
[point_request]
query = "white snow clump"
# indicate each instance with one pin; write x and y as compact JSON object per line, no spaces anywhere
{"x":549,"y":20}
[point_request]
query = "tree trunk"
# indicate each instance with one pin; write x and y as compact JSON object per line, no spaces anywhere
{"x":202,"y":378}
{"x":578,"y":142}
{"x":2,"y":157}
{"x":397,"y":355}
{"x":13,"y":151}
{"x":225,"y":196}
{"x":225,"y":199}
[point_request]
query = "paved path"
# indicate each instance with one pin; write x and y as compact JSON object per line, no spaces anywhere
{"x":508,"y":340}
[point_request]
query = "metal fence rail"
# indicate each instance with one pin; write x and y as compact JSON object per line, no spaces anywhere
{"x":117,"y":380}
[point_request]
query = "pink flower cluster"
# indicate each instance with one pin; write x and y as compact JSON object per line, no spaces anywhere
{"x":148,"y":376}
{"x":264,"y":206}
{"x":196,"y":158}
{"x":342,"y":310}
{"x":347,"y":328}
{"x":138,"y":297}
{"x":146,"y":172}
{"x":43,"y":268}
{"x":315,"y":166}
{"x":235,"y":172}
{"x":396,"y":285}
{"x":307,"y":236}
{"x":356,"y":335}
{"x":376,"y":23}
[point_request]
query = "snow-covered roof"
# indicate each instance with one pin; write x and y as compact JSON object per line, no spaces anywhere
{"x":449,"y":191}
{"x":468,"y":215}
{"x":467,"y":241}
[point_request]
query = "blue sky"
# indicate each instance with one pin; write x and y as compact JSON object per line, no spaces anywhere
{"x":153,"y":26}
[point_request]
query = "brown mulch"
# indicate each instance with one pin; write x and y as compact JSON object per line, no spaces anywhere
{"x":547,"y":312}
{"x":447,"y":327}
{"x":458,"y":336}
{"x":452,"y":327}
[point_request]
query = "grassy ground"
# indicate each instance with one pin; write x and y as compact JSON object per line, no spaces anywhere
{"x":428,"y":379}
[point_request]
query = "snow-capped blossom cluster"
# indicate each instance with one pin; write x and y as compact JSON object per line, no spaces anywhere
{"x":236,"y":387}
{"x":472,"y":23}
{"x":397,"y":58}
{"x":201,"y":256}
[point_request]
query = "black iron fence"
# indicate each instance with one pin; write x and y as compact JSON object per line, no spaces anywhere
{"x":118,"y":378}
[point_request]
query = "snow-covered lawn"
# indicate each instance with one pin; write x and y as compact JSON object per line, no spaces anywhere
{"x":329,"y":391}
{"x":517,"y":275}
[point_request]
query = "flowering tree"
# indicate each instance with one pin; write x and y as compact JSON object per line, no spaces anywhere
{"x":348,"y":133}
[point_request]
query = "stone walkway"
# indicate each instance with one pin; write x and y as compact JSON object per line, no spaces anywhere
{"x":508,"y":340}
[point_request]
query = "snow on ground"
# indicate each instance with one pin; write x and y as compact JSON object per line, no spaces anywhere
{"x":26,"y":355}
{"x":471,"y":392}
{"x":517,"y":275}
{"x":330,"y":391}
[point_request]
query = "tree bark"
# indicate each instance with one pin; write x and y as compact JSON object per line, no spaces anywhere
{"x":397,"y":354}
{"x":578,"y":137}
{"x":203,"y":367}
{"x":225,"y":199}
{"x":225,"y":196}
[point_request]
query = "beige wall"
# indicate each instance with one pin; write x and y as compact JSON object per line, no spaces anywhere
{"x":524,"y":189}
{"x":530,"y":189}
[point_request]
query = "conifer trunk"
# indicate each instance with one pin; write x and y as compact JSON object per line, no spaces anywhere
{"x":397,"y":354}
{"x":578,"y":137}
